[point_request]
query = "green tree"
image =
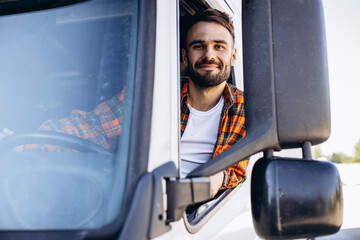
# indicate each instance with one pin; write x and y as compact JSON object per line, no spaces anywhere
{"x":341,"y":158}
{"x":317,"y":152}
{"x":357,"y":152}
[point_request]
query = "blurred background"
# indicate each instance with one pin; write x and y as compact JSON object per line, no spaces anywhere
{"x":342,"y":19}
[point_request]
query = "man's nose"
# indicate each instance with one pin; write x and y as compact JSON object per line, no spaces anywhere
{"x":209,"y":53}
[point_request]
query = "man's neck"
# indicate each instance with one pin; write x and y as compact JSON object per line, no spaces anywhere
{"x":204,"y":99}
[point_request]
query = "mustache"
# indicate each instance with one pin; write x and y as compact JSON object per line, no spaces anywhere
{"x":207,"y":61}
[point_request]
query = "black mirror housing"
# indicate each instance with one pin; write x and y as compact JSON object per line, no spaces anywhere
{"x":295,"y":198}
{"x":286,"y":72}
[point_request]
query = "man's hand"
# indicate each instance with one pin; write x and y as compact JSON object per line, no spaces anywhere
{"x":216,"y":181}
{"x":5,"y":132}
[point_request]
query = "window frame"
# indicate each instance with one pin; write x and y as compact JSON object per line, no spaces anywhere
{"x":198,"y":222}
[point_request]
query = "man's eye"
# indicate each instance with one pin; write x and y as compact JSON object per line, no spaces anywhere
{"x":219,"y":47}
{"x":198,"y":47}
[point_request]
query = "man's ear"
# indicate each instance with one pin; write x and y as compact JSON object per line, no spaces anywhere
{"x":184,"y":56}
{"x":233,"y":56}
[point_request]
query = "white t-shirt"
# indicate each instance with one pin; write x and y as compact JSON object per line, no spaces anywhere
{"x":199,"y":137}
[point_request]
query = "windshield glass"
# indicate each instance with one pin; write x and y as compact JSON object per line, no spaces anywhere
{"x":66,"y":85}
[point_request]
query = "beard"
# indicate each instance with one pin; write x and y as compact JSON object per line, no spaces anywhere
{"x":208,"y":79}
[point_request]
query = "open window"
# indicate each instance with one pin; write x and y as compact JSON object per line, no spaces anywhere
{"x":198,"y":214}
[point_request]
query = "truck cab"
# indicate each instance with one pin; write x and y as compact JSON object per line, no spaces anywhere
{"x":61,"y":60}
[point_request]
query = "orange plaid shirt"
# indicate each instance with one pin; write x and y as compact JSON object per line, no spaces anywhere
{"x":103,"y":125}
{"x":231,"y":129}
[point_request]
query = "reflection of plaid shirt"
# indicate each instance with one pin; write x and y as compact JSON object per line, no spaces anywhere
{"x":231,"y":129}
{"x":102,"y":125}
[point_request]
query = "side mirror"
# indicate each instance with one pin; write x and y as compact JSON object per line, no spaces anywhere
{"x":295,"y":198}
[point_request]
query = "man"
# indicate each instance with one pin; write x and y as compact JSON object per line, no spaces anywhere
{"x":212,"y":112}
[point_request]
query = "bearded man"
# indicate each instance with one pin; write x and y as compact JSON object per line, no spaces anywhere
{"x":212,"y":111}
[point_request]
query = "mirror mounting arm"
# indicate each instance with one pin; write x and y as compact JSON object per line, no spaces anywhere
{"x":184,"y":192}
{"x":306,"y":150}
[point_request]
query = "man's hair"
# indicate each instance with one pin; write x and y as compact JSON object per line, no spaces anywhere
{"x":211,"y":15}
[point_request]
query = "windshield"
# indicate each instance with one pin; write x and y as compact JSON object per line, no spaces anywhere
{"x":66,"y":85}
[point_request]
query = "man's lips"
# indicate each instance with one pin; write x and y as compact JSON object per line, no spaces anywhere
{"x":209,"y":66}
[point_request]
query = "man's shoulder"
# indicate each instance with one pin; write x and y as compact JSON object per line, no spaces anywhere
{"x":237,"y":94}
{"x":237,"y":102}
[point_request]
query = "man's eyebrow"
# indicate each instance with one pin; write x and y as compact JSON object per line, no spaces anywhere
{"x":196,"y":42}
{"x":220,"y":41}
{"x":202,"y":41}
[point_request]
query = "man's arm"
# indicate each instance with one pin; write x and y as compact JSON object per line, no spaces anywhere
{"x":216,"y":182}
{"x":232,"y":132}
{"x":100,"y":126}
{"x":234,"y":176}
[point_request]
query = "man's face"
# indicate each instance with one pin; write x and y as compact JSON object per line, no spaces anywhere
{"x":209,"y":54}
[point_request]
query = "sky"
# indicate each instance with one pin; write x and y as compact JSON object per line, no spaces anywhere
{"x":342,"y":20}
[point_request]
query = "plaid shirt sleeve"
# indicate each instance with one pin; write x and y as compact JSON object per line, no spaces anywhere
{"x":231,"y":131}
{"x":100,"y":126}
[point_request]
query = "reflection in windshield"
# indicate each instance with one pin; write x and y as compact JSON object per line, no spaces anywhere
{"x":68,"y":70}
